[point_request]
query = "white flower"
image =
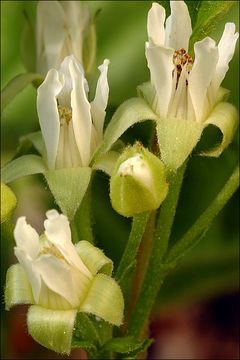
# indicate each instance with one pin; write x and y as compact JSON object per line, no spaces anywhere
{"x":61,"y":26}
{"x":71,"y":127}
{"x":185,"y":89}
{"x":58,"y":277}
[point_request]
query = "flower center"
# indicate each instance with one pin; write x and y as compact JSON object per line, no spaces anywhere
{"x":52,"y":250}
{"x":180,"y":59}
{"x":65,"y":114}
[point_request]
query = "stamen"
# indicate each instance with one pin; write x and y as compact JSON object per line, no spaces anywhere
{"x":180,"y":59}
{"x":51,"y":250}
{"x":65,"y":114}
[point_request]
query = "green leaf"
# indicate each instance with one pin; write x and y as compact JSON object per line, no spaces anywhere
{"x":28,"y":45}
{"x":82,"y":223}
{"x":88,"y":327}
{"x":127,"y":345}
{"x":105,"y":300}
{"x":27,"y":142}
{"x":129,"y":113}
{"x":68,"y":187}
{"x":193,"y":8}
{"x":94,"y":258}
{"x":191,"y":237}
{"x":106,"y":162}
{"x":225,"y":117}
{"x":18,"y":289}
{"x":22,"y":166}
{"x":52,"y":329}
{"x":16,"y":85}
{"x":209,"y":15}
{"x":83,"y":344}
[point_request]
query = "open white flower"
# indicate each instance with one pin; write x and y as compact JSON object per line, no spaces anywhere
{"x":59,"y":280}
{"x":61,"y":27}
{"x":71,"y":127}
{"x":187,"y":90}
{"x":58,"y":277}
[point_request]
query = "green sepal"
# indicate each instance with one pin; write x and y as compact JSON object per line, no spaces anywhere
{"x":28,"y":45}
{"x":127,"y":345}
{"x":129,"y":113}
{"x":8,"y":202}
{"x":225,"y":117}
{"x":130,"y":195}
{"x":105,"y":300}
{"x":68,"y":187}
{"x":147,"y":92}
{"x":22,"y":166}
{"x":18,"y":289}
{"x":177,"y":138}
{"x":222,"y":95}
{"x":94,"y":258}
{"x":106,"y":162}
{"x":16,"y":85}
{"x":52,"y":329}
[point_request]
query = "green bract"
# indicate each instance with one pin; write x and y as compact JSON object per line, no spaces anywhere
{"x":138,"y":183}
{"x":8,"y":202}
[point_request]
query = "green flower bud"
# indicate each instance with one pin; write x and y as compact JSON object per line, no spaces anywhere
{"x":8,"y":202}
{"x":138,"y":183}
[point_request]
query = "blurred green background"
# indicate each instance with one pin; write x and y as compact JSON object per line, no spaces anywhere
{"x":211,"y":269}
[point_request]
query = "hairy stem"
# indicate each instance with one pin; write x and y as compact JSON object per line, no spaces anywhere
{"x":156,"y":272}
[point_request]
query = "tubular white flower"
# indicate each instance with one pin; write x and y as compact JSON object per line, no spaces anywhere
{"x":60,"y":31}
{"x":71,"y":126}
{"x":184,"y":89}
{"x":58,"y":277}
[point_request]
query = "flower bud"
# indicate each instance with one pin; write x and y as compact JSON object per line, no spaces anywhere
{"x":138,"y":183}
{"x":8,"y":202}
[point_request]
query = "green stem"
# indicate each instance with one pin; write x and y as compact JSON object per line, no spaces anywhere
{"x":83,"y":218}
{"x":199,"y":227}
{"x":156,"y":272}
{"x":139,"y":224}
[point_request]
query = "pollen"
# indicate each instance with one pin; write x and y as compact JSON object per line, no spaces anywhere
{"x":180,"y":59}
{"x":65,"y":114}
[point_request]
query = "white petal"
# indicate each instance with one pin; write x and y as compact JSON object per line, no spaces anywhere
{"x":51,"y":31}
{"x":26,"y":237}
{"x":99,"y":103}
{"x":206,"y":57}
{"x":155,"y":24}
{"x":161,"y":66}
{"x":64,"y":97}
{"x":58,"y":232}
{"x":57,"y":277}
{"x":34,"y":278}
{"x":81,"y":114}
{"x":48,"y":114}
{"x":226,"y":48}
{"x":178,"y":26}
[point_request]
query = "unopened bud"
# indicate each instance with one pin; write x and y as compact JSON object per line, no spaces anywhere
{"x":138,"y":183}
